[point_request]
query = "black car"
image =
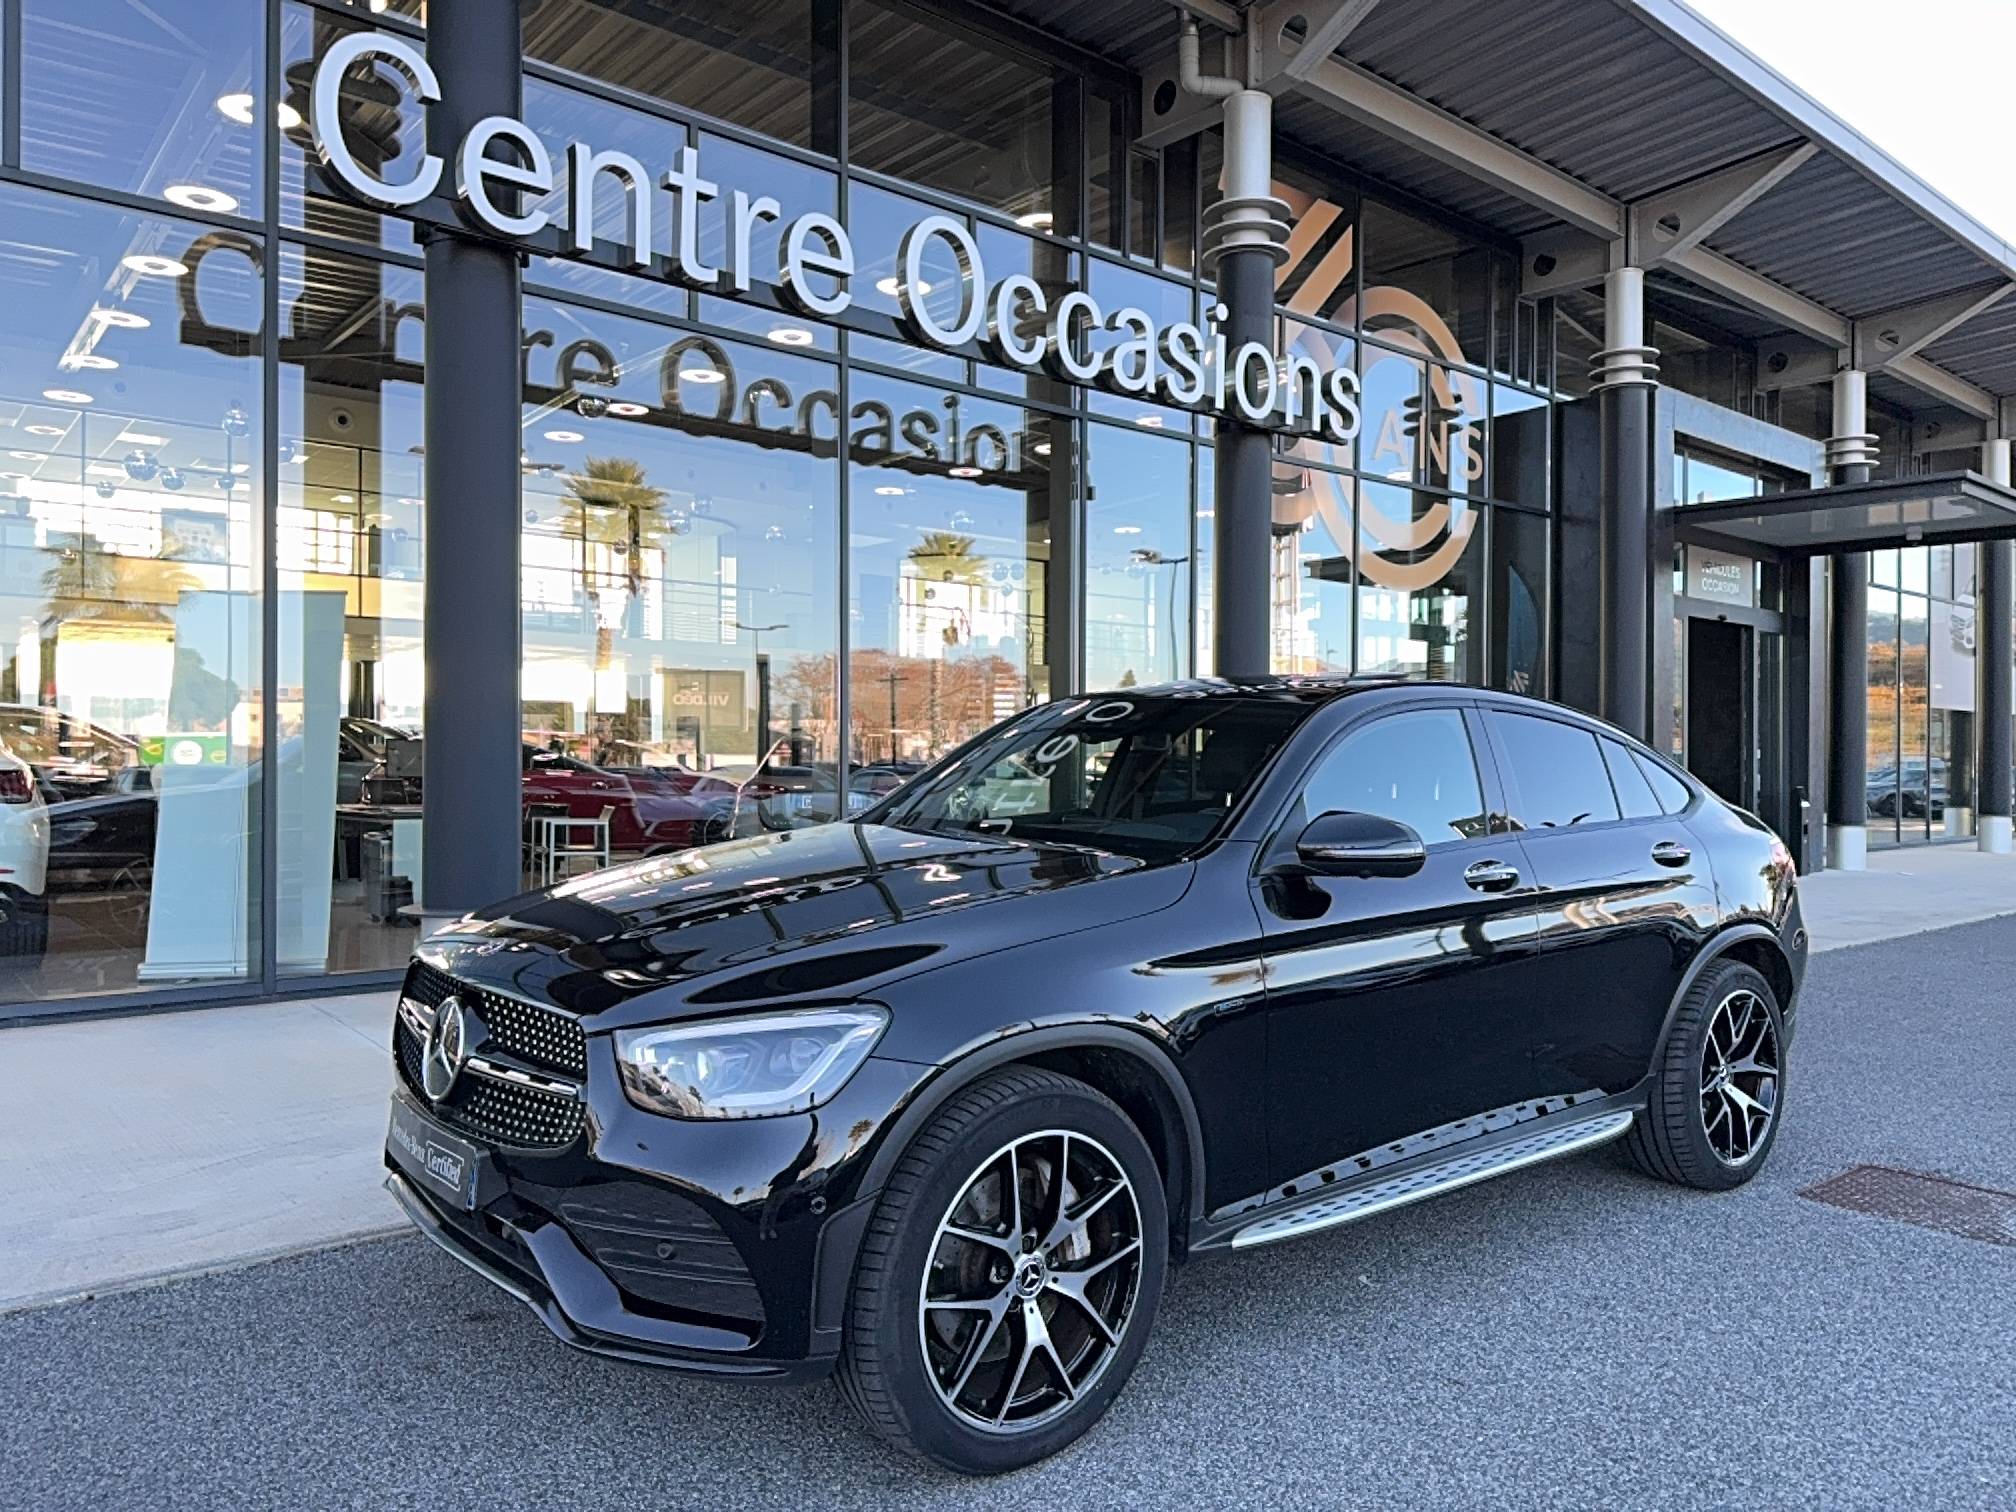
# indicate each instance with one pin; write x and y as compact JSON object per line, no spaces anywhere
{"x":932,"y":1098}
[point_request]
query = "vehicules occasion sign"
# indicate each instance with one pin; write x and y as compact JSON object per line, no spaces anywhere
{"x":1012,"y":321}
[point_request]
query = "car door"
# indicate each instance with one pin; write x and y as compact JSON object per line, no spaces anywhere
{"x":1625,"y":893}
{"x":1396,"y":1004}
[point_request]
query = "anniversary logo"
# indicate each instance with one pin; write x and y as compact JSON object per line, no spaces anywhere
{"x":1014,"y":321}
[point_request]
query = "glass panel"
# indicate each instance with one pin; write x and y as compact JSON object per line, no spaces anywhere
{"x":756,"y":65}
{"x":1913,"y":569}
{"x":1883,"y":568}
{"x":1137,"y":558}
{"x":1417,"y":570}
{"x":1328,"y":350}
{"x":1105,"y":151}
{"x":933,"y":106}
{"x":876,"y":221}
{"x":1144,"y":196}
{"x":392,"y":144}
{"x":157,"y":98}
{"x":130,"y":516}
{"x":1883,"y":797}
{"x":1518,"y":601}
{"x":795,"y":186}
{"x":680,"y":601}
{"x":1520,"y":447}
{"x":1914,"y":775}
{"x":1708,"y":480}
{"x":561,"y":116}
{"x":1314,"y":542}
{"x":1417,"y":768}
{"x":352,"y":674}
{"x":1055,"y":268}
{"x":1422,"y":422}
{"x":1557,"y":773}
{"x":1670,"y":790}
{"x":1165,"y":303}
{"x":1320,"y":279}
{"x":1421,"y":275}
{"x":951,"y":502}
{"x":1205,"y":511}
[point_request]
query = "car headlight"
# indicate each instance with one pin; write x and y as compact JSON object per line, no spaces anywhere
{"x":752,"y":1067}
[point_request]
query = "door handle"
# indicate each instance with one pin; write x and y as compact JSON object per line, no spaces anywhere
{"x":1671,"y":853}
{"x":1491,"y":876}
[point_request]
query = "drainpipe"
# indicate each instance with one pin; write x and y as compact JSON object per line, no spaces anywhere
{"x":1245,"y":239}
{"x":1851,"y":458}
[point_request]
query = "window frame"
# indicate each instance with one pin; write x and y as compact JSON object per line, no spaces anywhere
{"x":1510,"y":778}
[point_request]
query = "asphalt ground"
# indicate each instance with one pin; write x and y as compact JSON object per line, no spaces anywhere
{"x":1570,"y":1336}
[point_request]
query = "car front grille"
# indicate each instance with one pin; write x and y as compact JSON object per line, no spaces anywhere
{"x":541,"y":1040}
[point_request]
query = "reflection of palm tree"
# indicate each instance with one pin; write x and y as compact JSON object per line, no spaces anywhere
{"x":948,"y":558}
{"x":609,"y":503}
{"x":86,"y":584}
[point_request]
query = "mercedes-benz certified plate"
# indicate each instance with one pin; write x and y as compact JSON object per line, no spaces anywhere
{"x":444,"y":1165}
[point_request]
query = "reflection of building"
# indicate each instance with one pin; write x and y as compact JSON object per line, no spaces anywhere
{"x":729,"y":517}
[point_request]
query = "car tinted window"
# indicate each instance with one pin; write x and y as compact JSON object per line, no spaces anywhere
{"x":1152,"y":776}
{"x":1558,"y":778}
{"x":1673,"y":794}
{"x":1416,"y":767}
{"x":1634,"y":793}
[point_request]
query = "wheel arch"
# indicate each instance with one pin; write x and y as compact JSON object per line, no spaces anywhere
{"x":1125,"y":1065}
{"x":1754,"y":946}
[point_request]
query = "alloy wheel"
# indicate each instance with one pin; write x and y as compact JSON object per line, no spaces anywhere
{"x":1031,"y":1281}
{"x":1739,"y":1077}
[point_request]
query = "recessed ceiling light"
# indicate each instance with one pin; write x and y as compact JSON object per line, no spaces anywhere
{"x":343,"y":498}
{"x":1037,"y":220}
{"x":91,"y":360}
{"x":152,"y":266}
{"x":105,"y":470}
{"x":563,"y":436}
{"x":791,"y":336}
{"x":704,"y":375}
{"x":963,"y":472}
{"x":890,"y":490}
{"x":1153,"y":422}
{"x":1126,"y":530}
{"x":1041,"y":448}
{"x":628,"y":408}
{"x":124,"y":319}
{"x":409,"y":501}
{"x":66,"y":396}
{"x":25,"y":456}
{"x":199,"y":197}
{"x":890,"y":285}
{"x":47,"y":430}
{"x":141,"y":438}
{"x":241,"y":467}
{"x":238,"y":107}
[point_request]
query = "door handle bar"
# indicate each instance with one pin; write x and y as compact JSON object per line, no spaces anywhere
{"x":1671,"y":853}
{"x":1491,"y":876}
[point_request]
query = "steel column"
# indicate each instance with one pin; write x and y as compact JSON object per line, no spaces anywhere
{"x":470,"y":763}
{"x":1851,"y":458}
{"x":1995,"y":642}
{"x":1626,"y":375}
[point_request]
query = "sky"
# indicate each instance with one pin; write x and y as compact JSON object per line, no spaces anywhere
{"x":1924,"y":82}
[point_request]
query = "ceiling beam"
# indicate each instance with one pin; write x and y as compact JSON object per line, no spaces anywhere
{"x":1883,"y":339}
{"x":1327,"y":25}
{"x":1756,"y":292}
{"x":1949,"y":388}
{"x":1274,"y":66}
{"x":1688,"y":214}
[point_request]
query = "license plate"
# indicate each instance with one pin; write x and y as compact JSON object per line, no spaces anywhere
{"x":445,"y":1165}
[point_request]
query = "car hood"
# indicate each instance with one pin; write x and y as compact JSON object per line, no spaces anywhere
{"x":818,"y":914}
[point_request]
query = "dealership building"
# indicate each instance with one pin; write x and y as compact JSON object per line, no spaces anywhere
{"x":423,"y":422}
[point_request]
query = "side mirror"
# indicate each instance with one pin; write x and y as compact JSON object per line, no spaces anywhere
{"x":1341,"y":844}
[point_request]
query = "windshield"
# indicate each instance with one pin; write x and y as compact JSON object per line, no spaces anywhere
{"x":1151,"y":777}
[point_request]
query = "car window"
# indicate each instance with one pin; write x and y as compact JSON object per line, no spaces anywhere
{"x":1673,"y":794}
{"x":1634,"y":793}
{"x":1416,"y":767}
{"x":1557,"y":773}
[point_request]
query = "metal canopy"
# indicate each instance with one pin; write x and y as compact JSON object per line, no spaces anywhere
{"x":1930,"y":510}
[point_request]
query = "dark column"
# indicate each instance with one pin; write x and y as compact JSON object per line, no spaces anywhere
{"x":1626,"y":377}
{"x":1243,"y":537}
{"x":1851,"y":457}
{"x":1995,"y":611}
{"x":470,"y":829}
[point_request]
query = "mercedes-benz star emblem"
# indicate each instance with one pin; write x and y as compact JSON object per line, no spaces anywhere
{"x":447,"y":1049}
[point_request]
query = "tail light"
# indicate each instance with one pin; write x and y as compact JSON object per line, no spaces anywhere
{"x":16,"y":786}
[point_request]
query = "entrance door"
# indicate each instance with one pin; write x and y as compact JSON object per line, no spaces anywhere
{"x":1721,"y":708}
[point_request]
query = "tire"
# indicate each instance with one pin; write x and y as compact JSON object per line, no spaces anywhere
{"x":1693,"y":1130}
{"x":1014,"y":1119}
{"x":24,"y":931}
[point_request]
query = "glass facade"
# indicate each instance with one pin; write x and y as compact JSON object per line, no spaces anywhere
{"x":1922,"y":693}
{"x":769,"y":563}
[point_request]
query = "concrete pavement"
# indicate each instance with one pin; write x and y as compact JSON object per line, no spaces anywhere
{"x":145,"y":1147}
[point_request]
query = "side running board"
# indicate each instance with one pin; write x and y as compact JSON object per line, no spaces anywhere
{"x":1560,"y":1136}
